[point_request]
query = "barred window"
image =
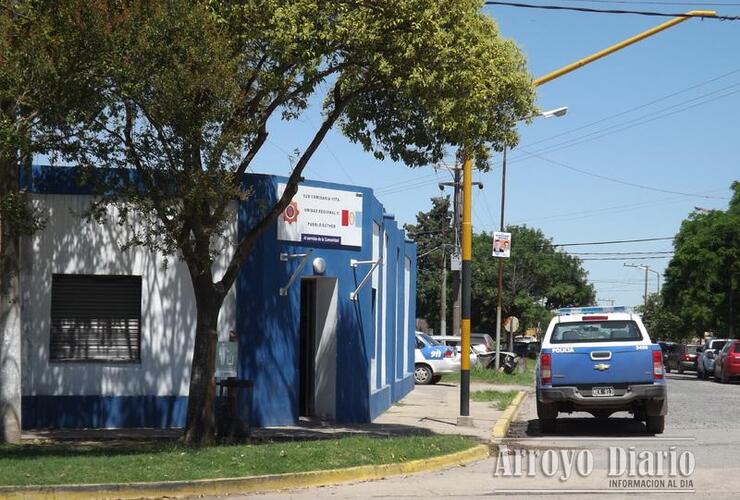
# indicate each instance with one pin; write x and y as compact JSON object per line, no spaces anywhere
{"x":95,"y":318}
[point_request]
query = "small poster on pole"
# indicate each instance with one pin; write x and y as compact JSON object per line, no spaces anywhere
{"x":501,"y":244}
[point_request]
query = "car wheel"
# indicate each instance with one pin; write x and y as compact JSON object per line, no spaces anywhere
{"x":680,"y":370}
{"x":423,"y":375}
{"x":699,"y":374}
{"x":655,"y":424}
{"x":436,"y":378}
{"x":723,"y":378}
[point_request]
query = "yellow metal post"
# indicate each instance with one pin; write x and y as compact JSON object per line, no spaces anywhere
{"x":618,"y":46}
{"x":467,"y":254}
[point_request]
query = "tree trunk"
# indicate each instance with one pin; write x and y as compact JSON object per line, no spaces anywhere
{"x":10,"y":310}
{"x":200,"y":429}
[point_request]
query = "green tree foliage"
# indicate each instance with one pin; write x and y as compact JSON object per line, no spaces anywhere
{"x":661,"y":323}
{"x":434,"y":237}
{"x":703,"y":278}
{"x":186,"y":90}
{"x":537,"y":279}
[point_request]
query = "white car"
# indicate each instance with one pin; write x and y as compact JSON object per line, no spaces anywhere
{"x":432,"y":360}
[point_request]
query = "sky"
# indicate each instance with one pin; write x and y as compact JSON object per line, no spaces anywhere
{"x":651,"y":133}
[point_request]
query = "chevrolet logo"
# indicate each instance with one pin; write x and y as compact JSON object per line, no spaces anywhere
{"x":601,"y":367}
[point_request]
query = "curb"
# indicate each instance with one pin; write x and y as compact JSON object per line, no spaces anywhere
{"x":254,"y":484}
{"x":502,"y":424}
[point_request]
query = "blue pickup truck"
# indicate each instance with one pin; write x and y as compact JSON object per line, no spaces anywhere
{"x":600,"y":360}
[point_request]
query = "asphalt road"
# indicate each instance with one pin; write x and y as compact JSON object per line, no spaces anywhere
{"x":702,"y":435}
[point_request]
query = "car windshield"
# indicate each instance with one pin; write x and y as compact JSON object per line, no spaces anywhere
{"x":718,"y":345}
{"x":595,"y":331}
{"x":690,"y":349}
{"x":429,"y":341}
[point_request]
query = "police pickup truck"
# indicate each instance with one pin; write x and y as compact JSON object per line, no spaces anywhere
{"x":600,"y":360}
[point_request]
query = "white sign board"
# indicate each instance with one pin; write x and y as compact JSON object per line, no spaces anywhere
{"x":322,"y":217}
{"x":501,"y":244}
{"x":226,"y":357}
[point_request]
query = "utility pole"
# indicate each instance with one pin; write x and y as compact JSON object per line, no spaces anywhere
{"x":500,"y":268}
{"x":443,"y":298}
{"x":467,"y":254}
{"x":456,"y":281}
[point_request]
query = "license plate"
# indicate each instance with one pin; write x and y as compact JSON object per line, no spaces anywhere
{"x":602,"y":391}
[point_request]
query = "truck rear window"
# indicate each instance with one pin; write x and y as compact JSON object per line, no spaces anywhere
{"x":595,"y":331}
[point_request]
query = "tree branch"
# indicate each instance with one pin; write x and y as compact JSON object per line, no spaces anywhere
{"x":250,"y":239}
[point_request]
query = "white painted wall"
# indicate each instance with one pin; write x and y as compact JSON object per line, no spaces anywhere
{"x":71,"y":245}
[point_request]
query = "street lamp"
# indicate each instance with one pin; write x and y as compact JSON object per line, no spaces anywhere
{"x":557,"y":113}
{"x":647,"y":269}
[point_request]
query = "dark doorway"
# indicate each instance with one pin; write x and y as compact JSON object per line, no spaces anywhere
{"x":307,"y":354}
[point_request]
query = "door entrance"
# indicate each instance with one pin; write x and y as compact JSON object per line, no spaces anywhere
{"x":307,"y":349}
{"x":318,"y":348}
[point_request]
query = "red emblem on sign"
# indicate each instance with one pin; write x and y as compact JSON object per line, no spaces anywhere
{"x":290,"y":214}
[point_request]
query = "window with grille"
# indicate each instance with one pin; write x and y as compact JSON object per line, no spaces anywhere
{"x":95,"y":318}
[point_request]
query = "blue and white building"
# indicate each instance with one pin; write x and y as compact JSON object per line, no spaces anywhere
{"x":323,"y":310}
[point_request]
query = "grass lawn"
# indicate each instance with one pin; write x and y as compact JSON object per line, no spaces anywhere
{"x":499,"y":399}
{"x":479,"y":374}
{"x":42,"y":464}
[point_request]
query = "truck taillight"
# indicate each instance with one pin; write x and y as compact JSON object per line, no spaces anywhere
{"x":546,"y":368}
{"x":657,"y":364}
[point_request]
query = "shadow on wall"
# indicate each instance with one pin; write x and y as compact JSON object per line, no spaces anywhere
{"x":149,"y":392}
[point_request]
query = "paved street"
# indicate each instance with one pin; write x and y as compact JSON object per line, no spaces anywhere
{"x":703,"y":419}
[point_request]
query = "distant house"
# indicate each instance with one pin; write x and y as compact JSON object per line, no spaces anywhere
{"x":107,"y":334}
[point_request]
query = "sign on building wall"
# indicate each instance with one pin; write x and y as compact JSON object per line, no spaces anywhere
{"x":226,"y":358}
{"x":319,"y":216}
{"x":501,"y":244}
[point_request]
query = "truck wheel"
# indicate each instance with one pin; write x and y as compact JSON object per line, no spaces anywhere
{"x":423,"y":374}
{"x":655,"y":424}
{"x":547,"y":415}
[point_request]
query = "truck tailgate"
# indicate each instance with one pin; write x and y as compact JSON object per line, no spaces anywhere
{"x":602,"y":365}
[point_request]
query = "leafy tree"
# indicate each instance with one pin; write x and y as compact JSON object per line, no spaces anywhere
{"x":187,"y":90}
{"x":435,"y":237}
{"x":39,"y":86}
{"x":703,"y":277}
{"x":660,"y":322}
{"x":537,"y":279}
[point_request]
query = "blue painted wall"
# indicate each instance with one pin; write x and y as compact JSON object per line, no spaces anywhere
{"x":268,"y":324}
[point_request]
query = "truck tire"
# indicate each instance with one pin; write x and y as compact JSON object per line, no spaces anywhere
{"x":655,"y":424}
{"x":546,"y":415}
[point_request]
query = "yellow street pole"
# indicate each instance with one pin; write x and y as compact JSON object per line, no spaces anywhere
{"x":467,"y":237}
{"x":467,"y":254}
{"x":625,"y":43}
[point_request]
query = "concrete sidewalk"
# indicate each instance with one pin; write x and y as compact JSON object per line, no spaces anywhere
{"x":436,"y":407}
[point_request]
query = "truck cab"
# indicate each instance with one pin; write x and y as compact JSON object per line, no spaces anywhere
{"x":600,"y":360}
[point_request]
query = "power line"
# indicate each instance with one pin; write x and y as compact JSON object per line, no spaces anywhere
{"x":613,"y":242}
{"x":619,"y":181}
{"x":621,"y":253}
{"x":638,"y":107}
{"x":626,"y":258}
{"x":680,"y":4}
{"x":608,"y":11}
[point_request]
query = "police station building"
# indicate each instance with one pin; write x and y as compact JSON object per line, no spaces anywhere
{"x":323,"y":311}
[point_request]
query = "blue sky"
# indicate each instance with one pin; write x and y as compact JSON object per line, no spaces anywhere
{"x":677,"y":95}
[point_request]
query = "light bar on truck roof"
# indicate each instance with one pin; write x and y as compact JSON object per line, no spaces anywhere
{"x":569,"y":311}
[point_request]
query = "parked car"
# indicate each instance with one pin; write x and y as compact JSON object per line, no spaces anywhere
{"x":682,"y":357}
{"x":706,"y":356}
{"x":454,"y":342}
{"x":666,"y":348}
{"x":727,"y":362}
{"x":483,"y":341}
{"x":432,"y":360}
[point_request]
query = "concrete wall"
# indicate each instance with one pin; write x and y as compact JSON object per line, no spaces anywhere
{"x":71,"y":245}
